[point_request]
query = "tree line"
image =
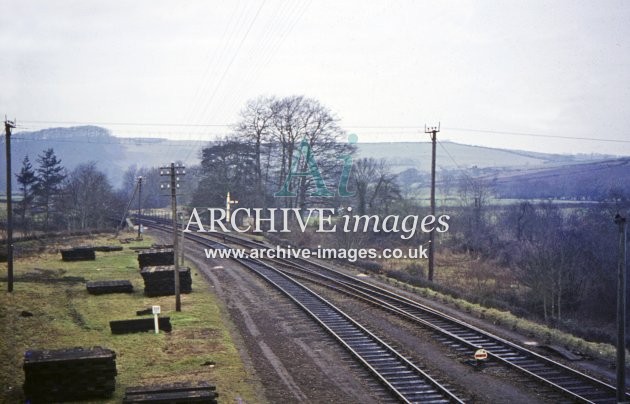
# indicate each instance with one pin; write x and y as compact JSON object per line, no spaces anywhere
{"x":274,"y":137}
{"x":53,"y":198}
{"x":562,"y":257}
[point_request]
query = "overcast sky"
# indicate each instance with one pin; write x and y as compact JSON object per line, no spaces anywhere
{"x":489,"y":71}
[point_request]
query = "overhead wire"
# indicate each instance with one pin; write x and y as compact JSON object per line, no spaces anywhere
{"x":232,"y":59}
{"x":46,"y":124}
{"x":210,"y":100}
{"x":284,"y":18}
{"x":281,"y":26}
{"x":212,"y":61}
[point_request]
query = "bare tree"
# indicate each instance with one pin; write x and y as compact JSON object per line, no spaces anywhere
{"x":279,"y":130}
{"x":298,"y":119}
{"x":474,"y":194}
{"x":375,"y":185}
{"x":88,"y":198}
{"x":553,"y":261}
{"x":152,"y":197}
{"x":254,"y":127}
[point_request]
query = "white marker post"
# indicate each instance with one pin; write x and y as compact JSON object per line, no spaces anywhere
{"x":156,"y":312}
{"x":228,"y":207}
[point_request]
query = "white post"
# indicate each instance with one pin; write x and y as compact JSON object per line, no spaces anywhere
{"x":156,"y":312}
{"x":228,"y":206}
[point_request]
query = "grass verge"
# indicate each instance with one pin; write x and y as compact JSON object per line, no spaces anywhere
{"x":545,"y":334}
{"x":65,"y":315}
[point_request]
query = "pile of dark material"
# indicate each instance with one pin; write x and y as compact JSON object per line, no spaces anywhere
{"x":156,"y":257}
{"x":139,"y":325}
{"x":161,"y":246}
{"x":193,"y":392}
{"x":108,"y":248}
{"x":78,"y":254}
{"x":69,"y":374}
{"x":160,"y":280}
{"x":103,"y":287}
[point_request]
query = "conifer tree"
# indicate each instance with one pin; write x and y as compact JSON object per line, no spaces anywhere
{"x":27,"y":180}
{"x":50,"y":175}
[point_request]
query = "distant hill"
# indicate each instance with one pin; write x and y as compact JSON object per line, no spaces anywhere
{"x":406,"y":155}
{"x":591,"y":181}
{"x":114,"y":155}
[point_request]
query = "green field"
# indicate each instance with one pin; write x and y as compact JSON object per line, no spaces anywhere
{"x":65,"y":315}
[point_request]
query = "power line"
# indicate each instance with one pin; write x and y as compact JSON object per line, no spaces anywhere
{"x":539,"y":135}
{"x":105,"y":123}
{"x":234,"y":55}
{"x":375,"y":127}
{"x":271,"y":39}
{"x":117,"y":140}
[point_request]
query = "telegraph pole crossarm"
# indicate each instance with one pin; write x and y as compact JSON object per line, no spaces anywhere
{"x":433,"y":131}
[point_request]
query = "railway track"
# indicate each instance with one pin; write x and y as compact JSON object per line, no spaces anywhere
{"x":573,"y":384}
{"x":406,"y":382}
{"x":457,"y":334}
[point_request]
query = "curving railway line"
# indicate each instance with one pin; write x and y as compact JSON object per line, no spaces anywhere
{"x":406,"y":382}
{"x":574,"y":385}
{"x":459,"y":335}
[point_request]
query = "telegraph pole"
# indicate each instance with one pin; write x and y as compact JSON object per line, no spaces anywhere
{"x":8,"y":125}
{"x":433,"y":131}
{"x":139,"y":206}
{"x":621,"y":311}
{"x":182,"y":215}
{"x":174,"y":172}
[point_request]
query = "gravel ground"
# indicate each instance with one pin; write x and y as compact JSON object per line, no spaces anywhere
{"x":491,"y":384}
{"x":293,"y":360}
{"x":289,"y":356}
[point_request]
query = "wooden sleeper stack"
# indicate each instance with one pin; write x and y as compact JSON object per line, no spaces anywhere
{"x":103,"y":287}
{"x":69,"y":374}
{"x":139,"y":325}
{"x":160,"y":280}
{"x":156,"y":257}
{"x":191,"y":392}
{"x":78,"y":254}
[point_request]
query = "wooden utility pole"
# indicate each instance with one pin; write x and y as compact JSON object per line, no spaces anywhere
{"x":8,"y":125}
{"x":182,"y":215}
{"x":621,"y":311}
{"x":139,"y":207}
{"x":174,"y":172}
{"x":433,"y":131}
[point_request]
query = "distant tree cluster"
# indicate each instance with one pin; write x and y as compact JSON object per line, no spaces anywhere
{"x":54,"y":199}
{"x":151,"y":196}
{"x":268,"y":143}
{"x":564,"y":255}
